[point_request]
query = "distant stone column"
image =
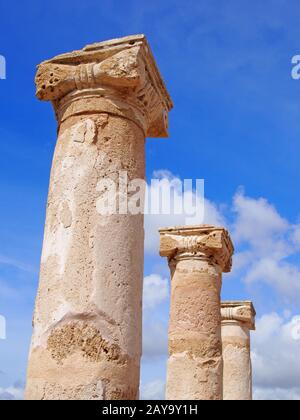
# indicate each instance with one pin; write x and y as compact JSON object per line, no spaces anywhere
{"x":197,"y":257}
{"x":238,"y":318}
{"x":87,"y":325}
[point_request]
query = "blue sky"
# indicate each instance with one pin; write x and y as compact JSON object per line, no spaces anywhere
{"x":227,"y":65}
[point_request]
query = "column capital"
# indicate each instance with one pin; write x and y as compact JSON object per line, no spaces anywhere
{"x":122,"y":69}
{"x":210,"y":242}
{"x":240,"y":311}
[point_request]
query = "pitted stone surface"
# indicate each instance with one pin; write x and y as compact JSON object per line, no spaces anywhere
{"x":122,"y":70}
{"x":197,"y":256}
{"x":87,"y":339}
{"x":238,"y":318}
{"x":213,"y":242}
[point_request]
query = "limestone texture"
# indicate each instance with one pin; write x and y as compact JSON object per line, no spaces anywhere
{"x":197,"y":257}
{"x":86,"y":344}
{"x":238,"y":319}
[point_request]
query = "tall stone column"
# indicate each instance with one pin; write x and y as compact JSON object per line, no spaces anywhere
{"x":238,"y":318}
{"x":197,"y":257}
{"x":87,"y":324}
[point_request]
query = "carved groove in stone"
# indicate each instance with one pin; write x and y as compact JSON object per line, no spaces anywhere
{"x":243,"y":312}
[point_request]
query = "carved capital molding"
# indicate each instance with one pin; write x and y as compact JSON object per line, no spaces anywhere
{"x":121,"y":70}
{"x":242,"y":312}
{"x":209,"y":242}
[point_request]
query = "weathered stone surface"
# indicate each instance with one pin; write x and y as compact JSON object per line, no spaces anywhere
{"x":197,"y":256}
{"x":238,"y":318}
{"x":122,"y":70}
{"x":87,"y":324}
{"x":212,"y":241}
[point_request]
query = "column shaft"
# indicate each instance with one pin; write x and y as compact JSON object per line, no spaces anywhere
{"x":88,"y":309}
{"x":237,"y":362}
{"x":87,"y":336}
{"x":197,"y":256}
{"x":195,"y":349}
{"x":238,"y":318}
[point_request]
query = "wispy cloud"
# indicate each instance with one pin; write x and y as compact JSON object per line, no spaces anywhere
{"x":275,"y":357}
{"x":265,"y":243}
{"x":212,"y":214}
{"x":17,"y":264}
{"x":153,"y":390}
{"x":14,"y":392}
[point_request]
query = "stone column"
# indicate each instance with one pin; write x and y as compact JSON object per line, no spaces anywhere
{"x":87,"y":324}
{"x":238,"y":318}
{"x":197,"y":257}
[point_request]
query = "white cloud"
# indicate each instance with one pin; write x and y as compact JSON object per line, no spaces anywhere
{"x":276,"y":394}
{"x":267,"y":241}
{"x":207,"y":213}
{"x":296,"y":236}
{"x":155,"y":330}
{"x":164,"y":174}
{"x":156,"y":290}
{"x":241,"y":260}
{"x":263,"y":239}
{"x":15,"y":392}
{"x":154,"y":390}
{"x":256,"y":218}
{"x":282,"y":276}
{"x":259,"y":225}
{"x":155,"y":339}
{"x":275,"y":357}
{"x":19,"y":265}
